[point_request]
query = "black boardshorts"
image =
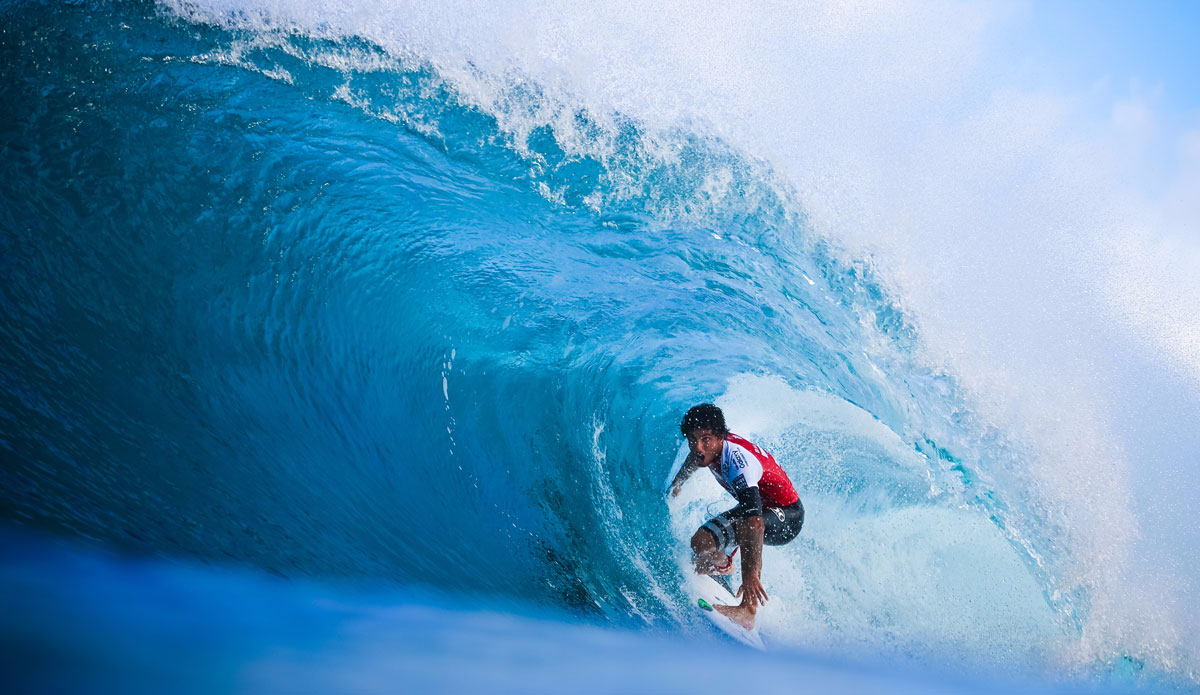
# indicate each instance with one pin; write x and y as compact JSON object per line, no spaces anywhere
{"x":781,"y":525}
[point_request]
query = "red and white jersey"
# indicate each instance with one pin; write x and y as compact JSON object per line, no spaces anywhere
{"x":743,"y":465}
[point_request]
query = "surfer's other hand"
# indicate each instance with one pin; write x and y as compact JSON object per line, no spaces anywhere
{"x":752,"y":591}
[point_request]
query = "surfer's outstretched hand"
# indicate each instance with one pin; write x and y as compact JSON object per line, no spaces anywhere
{"x":752,"y":591}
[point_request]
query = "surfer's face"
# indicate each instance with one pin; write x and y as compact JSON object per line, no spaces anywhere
{"x":705,"y":445}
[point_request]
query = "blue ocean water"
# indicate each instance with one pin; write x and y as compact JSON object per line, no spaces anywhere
{"x":283,"y":300}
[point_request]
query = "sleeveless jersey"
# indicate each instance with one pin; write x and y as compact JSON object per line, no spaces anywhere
{"x":744,"y":465}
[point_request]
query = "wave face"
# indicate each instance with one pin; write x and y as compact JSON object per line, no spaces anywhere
{"x":292,"y":295}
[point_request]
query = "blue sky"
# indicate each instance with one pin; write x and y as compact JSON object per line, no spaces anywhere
{"x":1074,"y":44}
{"x":1105,"y":53}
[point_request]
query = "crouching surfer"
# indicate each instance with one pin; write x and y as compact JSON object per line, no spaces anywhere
{"x":768,"y":510}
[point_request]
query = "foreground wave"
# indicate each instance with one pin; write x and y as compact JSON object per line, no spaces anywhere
{"x":91,"y":622}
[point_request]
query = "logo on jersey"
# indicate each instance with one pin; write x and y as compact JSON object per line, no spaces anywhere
{"x":730,"y":466}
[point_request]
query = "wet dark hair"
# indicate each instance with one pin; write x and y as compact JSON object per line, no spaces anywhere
{"x":705,"y":416}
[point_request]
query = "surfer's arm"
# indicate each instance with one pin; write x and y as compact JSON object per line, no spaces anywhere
{"x":750,"y":539}
{"x":749,"y":530}
{"x":749,"y":503}
{"x":689,"y":467}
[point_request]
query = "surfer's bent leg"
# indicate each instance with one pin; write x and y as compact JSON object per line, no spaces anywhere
{"x":706,"y":553}
{"x":713,"y":542}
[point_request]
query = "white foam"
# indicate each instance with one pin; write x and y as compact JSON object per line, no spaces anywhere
{"x":765,"y":404}
{"x":905,"y":581}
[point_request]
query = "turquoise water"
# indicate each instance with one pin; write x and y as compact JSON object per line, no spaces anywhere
{"x":287,"y":299}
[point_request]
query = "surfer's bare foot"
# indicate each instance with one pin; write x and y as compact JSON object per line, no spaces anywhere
{"x":741,"y":614}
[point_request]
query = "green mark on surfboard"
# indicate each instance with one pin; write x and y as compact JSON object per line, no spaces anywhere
{"x":704,"y":604}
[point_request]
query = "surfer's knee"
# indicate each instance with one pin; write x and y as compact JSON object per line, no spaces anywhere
{"x":703,"y":541}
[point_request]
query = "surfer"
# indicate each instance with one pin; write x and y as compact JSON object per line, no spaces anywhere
{"x":768,"y":509}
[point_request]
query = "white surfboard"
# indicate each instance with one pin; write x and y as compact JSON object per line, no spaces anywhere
{"x":706,"y":592}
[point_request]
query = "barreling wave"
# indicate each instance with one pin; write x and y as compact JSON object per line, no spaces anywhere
{"x":315,"y":299}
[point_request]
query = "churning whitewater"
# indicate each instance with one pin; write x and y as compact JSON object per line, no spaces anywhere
{"x":398,"y":295}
